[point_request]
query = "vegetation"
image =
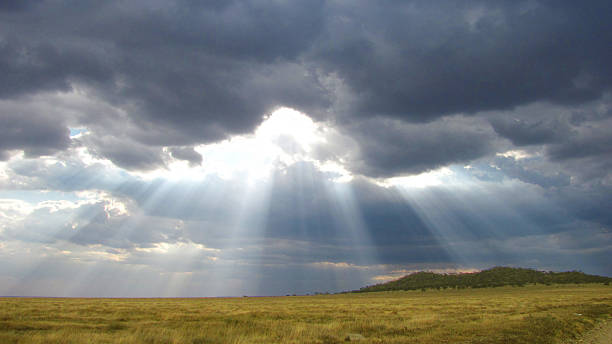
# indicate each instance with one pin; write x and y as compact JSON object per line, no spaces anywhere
{"x":495,"y":277}
{"x":533,"y":314}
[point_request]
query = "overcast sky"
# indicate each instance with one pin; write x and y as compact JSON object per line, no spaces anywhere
{"x":179,"y":148}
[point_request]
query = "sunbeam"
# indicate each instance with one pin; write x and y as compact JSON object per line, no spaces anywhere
{"x":475,"y":221}
{"x":273,"y":212}
{"x":352,"y":227}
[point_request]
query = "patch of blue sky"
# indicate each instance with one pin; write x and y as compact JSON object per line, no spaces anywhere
{"x":76,"y":131}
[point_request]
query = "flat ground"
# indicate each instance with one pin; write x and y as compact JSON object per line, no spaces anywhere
{"x":532,"y":314}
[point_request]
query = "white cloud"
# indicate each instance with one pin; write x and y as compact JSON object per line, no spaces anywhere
{"x":516,"y":154}
{"x":284,"y":137}
{"x":423,"y":180}
{"x":12,"y":211}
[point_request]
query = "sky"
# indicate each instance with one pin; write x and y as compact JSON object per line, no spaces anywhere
{"x":227,"y":148}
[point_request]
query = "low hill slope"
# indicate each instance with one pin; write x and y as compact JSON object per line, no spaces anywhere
{"x":494,"y":277}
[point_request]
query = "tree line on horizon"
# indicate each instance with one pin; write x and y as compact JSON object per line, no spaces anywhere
{"x":494,"y":277}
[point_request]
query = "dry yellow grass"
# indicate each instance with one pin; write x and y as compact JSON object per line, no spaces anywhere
{"x":533,"y":314}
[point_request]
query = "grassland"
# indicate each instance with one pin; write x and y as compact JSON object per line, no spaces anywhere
{"x":531,"y":314}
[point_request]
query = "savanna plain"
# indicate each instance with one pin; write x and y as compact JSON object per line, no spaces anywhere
{"x":530,"y":314}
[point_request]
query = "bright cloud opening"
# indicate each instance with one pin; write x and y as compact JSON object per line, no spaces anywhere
{"x":515,"y":154}
{"x":423,"y":180}
{"x":285,"y":137}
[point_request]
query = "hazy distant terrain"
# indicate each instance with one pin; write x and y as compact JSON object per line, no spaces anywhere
{"x":531,"y":314}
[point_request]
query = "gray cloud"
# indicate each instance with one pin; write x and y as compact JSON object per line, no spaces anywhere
{"x":523,"y":133}
{"x":16,"y":5}
{"x":125,"y":152}
{"x":207,"y":71}
{"x":301,"y":217}
{"x":188,"y":154}
{"x":586,"y":153}
{"x":407,"y":87}
{"x":596,"y":143}
{"x":35,"y":133}
{"x":385,"y":148}
{"x":184,"y":73}
{"x":529,"y":170}
{"x":34,"y":67}
{"x":418,"y":60}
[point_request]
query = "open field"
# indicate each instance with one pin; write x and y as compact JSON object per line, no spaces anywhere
{"x":532,"y":314}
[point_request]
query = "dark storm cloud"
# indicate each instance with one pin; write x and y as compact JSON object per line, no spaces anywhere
{"x":194,"y":73}
{"x":586,"y":154}
{"x":126,"y":153}
{"x":29,"y":67}
{"x":35,"y":133}
{"x":385,"y":148}
{"x":207,"y":71}
{"x":571,"y":141}
{"x":420,"y":60}
{"x":16,"y":5}
{"x":588,"y":203}
{"x":187,"y":154}
{"x":523,"y":133}
{"x":596,"y":143}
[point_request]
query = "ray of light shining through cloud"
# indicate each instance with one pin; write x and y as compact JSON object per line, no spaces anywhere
{"x":273,"y":148}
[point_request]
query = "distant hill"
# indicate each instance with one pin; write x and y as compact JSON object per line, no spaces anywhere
{"x":494,"y":277}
